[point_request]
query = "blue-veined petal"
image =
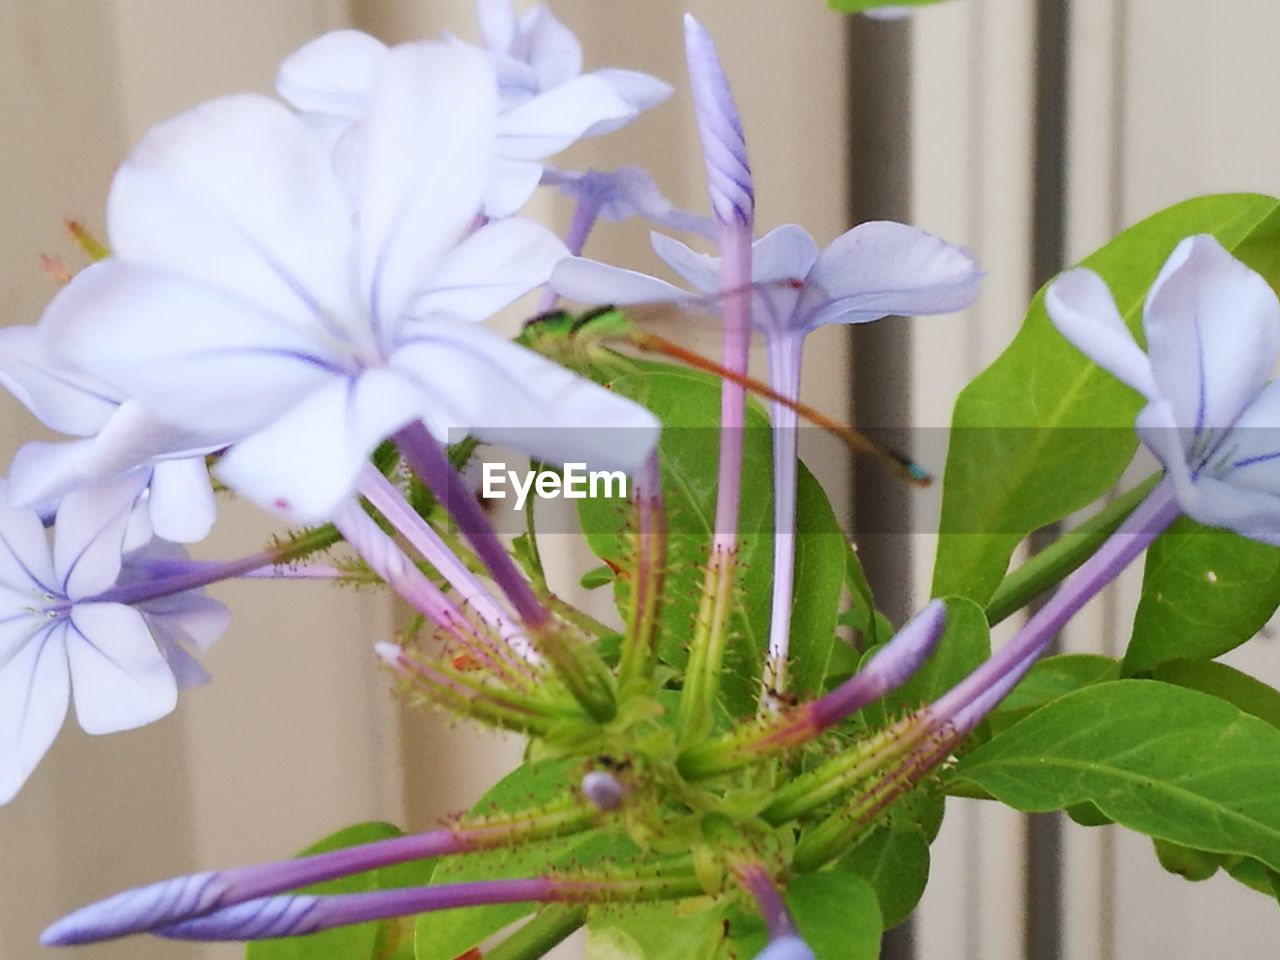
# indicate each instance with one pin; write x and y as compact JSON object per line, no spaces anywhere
{"x":332,"y":74}
{"x":119,"y":678}
{"x":238,"y":193}
{"x":1082,"y":308}
{"x":33,"y":705}
{"x":590,"y":281}
{"x":25,"y":561}
{"x":88,"y":536}
{"x":62,"y":398}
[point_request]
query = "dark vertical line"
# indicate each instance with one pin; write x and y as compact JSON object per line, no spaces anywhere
{"x":1044,"y":891}
{"x":880,"y":188}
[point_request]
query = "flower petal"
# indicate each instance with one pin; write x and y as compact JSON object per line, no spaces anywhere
{"x":1213,"y":331}
{"x":589,"y":281}
{"x":33,"y":704}
{"x":553,"y":50}
{"x":131,"y":438}
{"x":240,"y":195}
{"x":189,"y":617}
{"x":882,"y":268}
{"x":1082,"y":308}
{"x":88,"y":536}
{"x":25,"y":561}
{"x":638,"y":89}
{"x":332,"y":75}
{"x":503,"y":393}
{"x":118,"y":675}
{"x":700,"y":270}
{"x":510,"y":186}
{"x":1249,"y":512}
{"x":181,"y":503}
{"x":497,"y":24}
{"x":552,"y":120}
{"x":61,"y":397}
{"x":427,"y":144}
{"x":306,"y":462}
{"x":489,"y":269}
{"x":214,"y":364}
{"x":784,"y":253}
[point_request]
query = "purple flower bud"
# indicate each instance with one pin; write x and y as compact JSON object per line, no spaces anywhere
{"x":603,"y":790}
{"x":789,"y":947}
{"x":723,"y":146}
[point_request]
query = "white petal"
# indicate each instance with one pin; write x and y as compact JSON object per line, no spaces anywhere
{"x":700,"y":270}
{"x":510,"y":186}
{"x":1213,"y":330}
{"x":118,"y":675}
{"x":239,"y":194}
{"x":553,"y":50}
{"x":883,"y":268}
{"x":306,"y":462}
{"x":131,"y":438}
{"x":214,"y":364}
{"x":552,"y":120}
{"x":1081,"y":307}
{"x":497,"y":24}
{"x":25,"y":561}
{"x":784,"y":253}
{"x":503,"y":393}
{"x":88,"y":536}
{"x":189,"y":617}
{"x":1250,"y":455}
{"x":638,"y":89}
{"x":33,"y":704}
{"x":186,"y":669}
{"x":61,"y":397}
{"x":1159,"y":430}
{"x":489,"y":269}
{"x":428,"y":145}
{"x":181,"y":503}
{"x":589,"y":281}
{"x":1251,"y":513}
{"x":18,"y":622}
{"x":332,"y":75}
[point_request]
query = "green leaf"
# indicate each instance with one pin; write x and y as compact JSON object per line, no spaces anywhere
{"x":1204,"y":592}
{"x":384,"y":940}
{"x":1172,"y":763}
{"x":1255,"y":876}
{"x":1049,"y":679}
{"x":896,"y":864}
{"x":1186,"y":862}
{"x":688,"y":404}
{"x":656,"y":931}
{"x":447,"y":934}
{"x":836,"y":912}
{"x":1226,"y":683}
{"x":1043,"y":431}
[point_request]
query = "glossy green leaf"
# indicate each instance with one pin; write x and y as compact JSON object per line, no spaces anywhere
{"x":1049,"y":679}
{"x":688,"y":404}
{"x":896,"y":864}
{"x":1169,"y":762}
{"x":656,"y":931}
{"x":1204,"y":592}
{"x":1226,"y":683}
{"x":1043,"y":432}
{"x":384,"y":940}
{"x":836,"y":912}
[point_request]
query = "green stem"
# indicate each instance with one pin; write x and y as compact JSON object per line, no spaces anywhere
{"x":1061,"y":558}
{"x":537,"y":937}
{"x":706,"y":650}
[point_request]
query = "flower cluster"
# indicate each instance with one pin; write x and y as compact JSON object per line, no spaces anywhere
{"x":292,"y":302}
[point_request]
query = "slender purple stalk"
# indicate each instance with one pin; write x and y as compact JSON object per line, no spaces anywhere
{"x":965,"y":704}
{"x":785,"y":353}
{"x":575,"y":238}
{"x":388,"y":561}
{"x":784,"y":939}
{"x":428,"y":460}
{"x":190,"y":576}
{"x":380,"y":492}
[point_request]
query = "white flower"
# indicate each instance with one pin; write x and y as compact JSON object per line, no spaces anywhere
{"x":1212,"y":327}
{"x":247,"y":301}
{"x":120,"y":436}
{"x":61,"y":636}
{"x":545,"y":100}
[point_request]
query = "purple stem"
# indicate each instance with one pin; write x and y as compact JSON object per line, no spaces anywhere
{"x":785,"y":352}
{"x":427,"y":458}
{"x":964,"y":705}
{"x":187,"y":577}
{"x":777,"y":918}
{"x":584,"y":218}
{"x":380,"y":492}
{"x":388,"y":561}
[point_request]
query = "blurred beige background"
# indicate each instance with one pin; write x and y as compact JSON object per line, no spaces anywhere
{"x":298,"y":735}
